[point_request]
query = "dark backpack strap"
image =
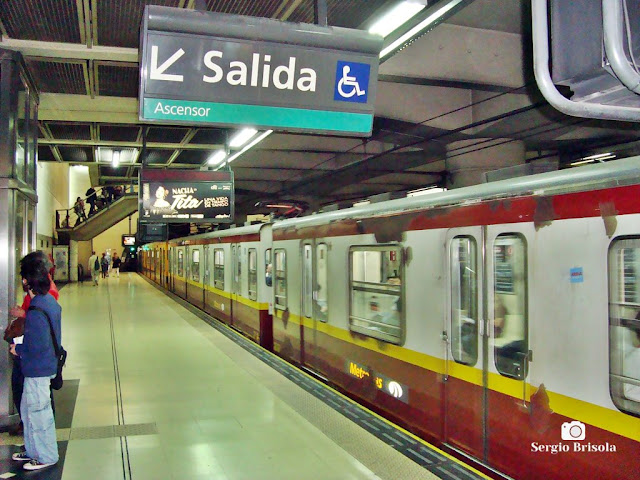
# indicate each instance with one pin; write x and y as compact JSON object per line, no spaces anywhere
{"x":56,"y":348}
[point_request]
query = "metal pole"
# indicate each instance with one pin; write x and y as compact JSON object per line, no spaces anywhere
{"x":320,"y":13}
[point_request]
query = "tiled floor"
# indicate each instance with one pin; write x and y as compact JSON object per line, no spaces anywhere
{"x":162,"y":395}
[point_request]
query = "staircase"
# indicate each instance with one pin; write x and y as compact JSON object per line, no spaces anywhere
{"x":102,"y":220}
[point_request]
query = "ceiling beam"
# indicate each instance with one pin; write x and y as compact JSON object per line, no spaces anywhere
{"x":36,"y":48}
{"x":135,"y":144}
{"x":83,"y":108}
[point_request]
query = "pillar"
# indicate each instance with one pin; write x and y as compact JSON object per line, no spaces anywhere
{"x":73,"y":260}
{"x":18,"y":146}
{"x":468,"y":160}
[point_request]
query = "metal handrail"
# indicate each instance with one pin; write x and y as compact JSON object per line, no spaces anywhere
{"x":540,"y":28}
{"x":69,"y":218}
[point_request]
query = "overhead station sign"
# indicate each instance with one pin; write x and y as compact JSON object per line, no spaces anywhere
{"x":185,"y":196}
{"x":220,"y":69}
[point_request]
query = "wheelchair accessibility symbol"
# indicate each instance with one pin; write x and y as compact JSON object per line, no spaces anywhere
{"x":352,"y":82}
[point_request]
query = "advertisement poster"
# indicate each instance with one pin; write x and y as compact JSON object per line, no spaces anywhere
{"x":174,"y":200}
{"x":61,"y":262}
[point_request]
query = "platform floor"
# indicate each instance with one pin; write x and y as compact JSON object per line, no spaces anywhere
{"x":154,"y":392}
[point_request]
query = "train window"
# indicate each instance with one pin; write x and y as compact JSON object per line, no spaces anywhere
{"x":464,"y":300}
{"x":218,"y":268}
{"x":195,"y":265}
{"x":510,"y":338}
{"x":624,"y":324}
{"x":376,"y":292}
{"x":180,"y":263}
{"x":268,"y":267}
{"x":280,"y":264}
{"x":321,"y":294}
{"x":253,"y":274}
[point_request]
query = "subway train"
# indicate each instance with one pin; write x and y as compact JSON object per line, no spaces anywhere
{"x":498,"y":321}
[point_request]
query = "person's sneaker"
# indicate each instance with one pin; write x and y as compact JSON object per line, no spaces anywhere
{"x":21,"y":457}
{"x":36,"y":465}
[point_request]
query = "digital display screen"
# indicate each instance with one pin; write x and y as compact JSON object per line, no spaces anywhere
{"x":128,"y":240}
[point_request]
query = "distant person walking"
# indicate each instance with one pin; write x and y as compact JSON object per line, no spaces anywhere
{"x":91,"y":200}
{"x":108,"y":257}
{"x":116,"y":264}
{"x":78,"y":207}
{"x":104,"y":262}
{"x":94,"y":267}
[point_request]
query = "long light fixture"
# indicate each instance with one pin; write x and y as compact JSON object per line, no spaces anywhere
{"x":242,"y":137}
{"x":419,"y":27}
{"x":425,"y":191}
{"x":115,"y":159}
{"x":600,"y":157}
{"x":396,"y":17}
{"x":255,"y":141}
{"x":217,"y":157}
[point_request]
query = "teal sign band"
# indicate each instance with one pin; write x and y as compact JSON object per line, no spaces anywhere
{"x":255,"y":115}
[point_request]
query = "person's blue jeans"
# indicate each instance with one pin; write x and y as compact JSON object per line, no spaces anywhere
{"x":37,"y":416}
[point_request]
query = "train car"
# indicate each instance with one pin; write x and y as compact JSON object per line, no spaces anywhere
{"x":225,"y":274}
{"x":499,"y":321}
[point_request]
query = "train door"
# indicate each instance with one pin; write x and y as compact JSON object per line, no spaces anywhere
{"x":181,"y":276}
{"x":509,"y":358}
{"x":236,"y":279}
{"x":314,"y":301}
{"x":465,"y":352}
{"x":161,"y":269}
{"x":156,"y":265}
{"x":205,"y":275}
{"x":172,"y":266}
{"x":163,"y":278}
{"x":486,"y":336}
{"x":187,"y":272}
{"x":306,"y":300}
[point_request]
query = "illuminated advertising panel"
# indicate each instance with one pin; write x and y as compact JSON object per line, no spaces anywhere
{"x":186,"y":196}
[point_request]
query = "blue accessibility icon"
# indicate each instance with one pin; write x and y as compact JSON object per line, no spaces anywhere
{"x":352,"y":82}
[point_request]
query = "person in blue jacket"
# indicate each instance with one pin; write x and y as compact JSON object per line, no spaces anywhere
{"x":39,"y":366}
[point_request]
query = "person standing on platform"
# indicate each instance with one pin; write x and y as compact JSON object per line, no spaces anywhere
{"x":39,"y":365}
{"x":105,"y":265}
{"x":94,"y":267}
{"x":108,"y":257}
{"x":116,"y":264}
{"x":16,"y":330}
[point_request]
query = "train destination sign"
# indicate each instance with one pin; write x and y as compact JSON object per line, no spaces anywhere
{"x":173,"y":197}
{"x":211,"y":68}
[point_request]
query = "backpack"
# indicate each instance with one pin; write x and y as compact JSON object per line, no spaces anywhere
{"x":96,"y":264}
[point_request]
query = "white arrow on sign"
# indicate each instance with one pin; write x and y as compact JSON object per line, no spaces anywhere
{"x":157,"y":73}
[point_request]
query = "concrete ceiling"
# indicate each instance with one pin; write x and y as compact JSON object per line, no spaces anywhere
{"x":467,"y":79}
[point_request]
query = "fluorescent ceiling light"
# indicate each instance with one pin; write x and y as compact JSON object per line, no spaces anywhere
{"x":600,"y":156}
{"x":591,"y":159}
{"x":217,"y":157}
{"x":242,"y":137}
{"x":418,"y":28}
{"x":425,"y":191}
{"x":396,"y":17}
{"x":257,"y":140}
{"x":116,"y":156}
